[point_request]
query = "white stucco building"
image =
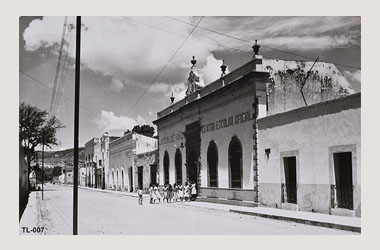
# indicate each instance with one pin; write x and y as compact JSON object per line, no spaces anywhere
{"x":132,"y":162}
{"x":310,"y":158}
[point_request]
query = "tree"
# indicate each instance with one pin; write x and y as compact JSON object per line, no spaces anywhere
{"x":36,"y":129}
{"x":144,"y":130}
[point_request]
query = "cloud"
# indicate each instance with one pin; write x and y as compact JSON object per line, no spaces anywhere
{"x":133,"y":50}
{"x":127,"y":48}
{"x":178,"y":90}
{"x":301,"y":33}
{"x":108,"y":121}
{"x":140,"y":120}
{"x":211,"y":71}
{"x":116,"y":85}
{"x":354,"y":78}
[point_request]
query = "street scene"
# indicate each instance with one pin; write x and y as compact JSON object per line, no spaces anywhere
{"x":115,"y":213}
{"x":190,"y":125}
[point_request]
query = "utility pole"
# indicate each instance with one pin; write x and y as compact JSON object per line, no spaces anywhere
{"x":43,"y":149}
{"x":76,"y":126}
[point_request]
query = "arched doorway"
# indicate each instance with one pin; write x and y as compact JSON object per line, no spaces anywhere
{"x":122,"y":178}
{"x":235,"y":154}
{"x":113,"y":179}
{"x":117,"y":179}
{"x":166,"y":167}
{"x":212,"y":162}
{"x":192,"y":167}
{"x":178,"y":166}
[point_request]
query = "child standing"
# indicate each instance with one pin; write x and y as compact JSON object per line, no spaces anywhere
{"x":180,"y":192}
{"x":157,"y":193}
{"x":151,"y":193}
{"x":175,"y":192}
{"x":170,"y":193}
{"x":165,"y":189}
{"x":193,"y":191}
{"x":186,"y":191}
{"x":140,"y":195}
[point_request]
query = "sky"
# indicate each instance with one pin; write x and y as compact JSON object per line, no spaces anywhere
{"x":124,"y":81}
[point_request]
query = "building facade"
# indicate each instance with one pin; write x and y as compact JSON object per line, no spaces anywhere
{"x":132,"y":160}
{"x":209,"y":137}
{"x":93,"y":163}
{"x":310,"y":158}
{"x":105,"y":140}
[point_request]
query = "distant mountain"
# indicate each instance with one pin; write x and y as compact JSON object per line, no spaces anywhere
{"x":62,"y":156}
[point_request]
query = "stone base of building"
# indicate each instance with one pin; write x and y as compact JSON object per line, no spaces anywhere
{"x":248,"y":195}
{"x":342,"y":212}
{"x":228,"y":202}
{"x":290,"y":206}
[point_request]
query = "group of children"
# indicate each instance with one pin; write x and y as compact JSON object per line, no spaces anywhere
{"x":172,"y":193}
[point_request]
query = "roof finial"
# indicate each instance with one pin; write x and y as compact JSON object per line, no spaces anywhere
{"x":172,"y":98}
{"x":256,"y":48}
{"x":223,"y":67}
{"x":193,"y":62}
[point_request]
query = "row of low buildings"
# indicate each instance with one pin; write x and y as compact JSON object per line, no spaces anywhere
{"x":120,"y":163}
{"x":250,"y":137}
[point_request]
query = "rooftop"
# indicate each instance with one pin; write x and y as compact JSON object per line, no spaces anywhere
{"x":323,"y":108}
{"x":249,"y":67}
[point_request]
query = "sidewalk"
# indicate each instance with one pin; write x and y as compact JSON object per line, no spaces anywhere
{"x":32,"y":218}
{"x":316,"y":219}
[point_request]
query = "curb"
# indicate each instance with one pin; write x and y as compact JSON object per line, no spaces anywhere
{"x":302,"y":221}
{"x":270,"y":216}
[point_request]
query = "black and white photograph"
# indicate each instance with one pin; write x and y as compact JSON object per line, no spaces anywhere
{"x":190,"y":125}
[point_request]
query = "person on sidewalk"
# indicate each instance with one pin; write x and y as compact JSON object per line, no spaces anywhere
{"x":175,"y":192}
{"x":186,"y":191}
{"x":165,"y":190}
{"x":140,"y":195}
{"x":151,"y":193}
{"x":180,"y":192}
{"x":193,"y":191}
{"x":170,"y":193}
{"x":157,"y":194}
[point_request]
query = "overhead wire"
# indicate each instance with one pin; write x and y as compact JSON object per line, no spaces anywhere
{"x":193,"y":39}
{"x":251,"y":43}
{"x":163,"y":68}
{"x":46,"y":86}
{"x":63,"y":69}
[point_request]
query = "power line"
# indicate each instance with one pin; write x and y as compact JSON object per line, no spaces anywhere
{"x":158,"y":75}
{"x":56,"y":83}
{"x":44,"y":85}
{"x":246,"y":41}
{"x":176,"y":34}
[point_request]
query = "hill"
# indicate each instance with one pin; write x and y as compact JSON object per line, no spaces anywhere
{"x":62,"y":156}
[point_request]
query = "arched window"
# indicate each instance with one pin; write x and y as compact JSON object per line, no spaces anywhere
{"x":122,"y":178}
{"x":178,"y":166}
{"x":235,"y":163}
{"x":166,"y":168}
{"x":212,"y":162}
{"x":117,"y":178}
{"x":113,"y":179}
